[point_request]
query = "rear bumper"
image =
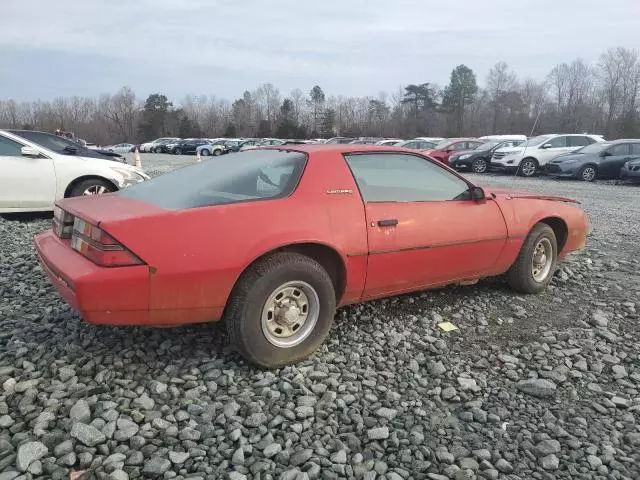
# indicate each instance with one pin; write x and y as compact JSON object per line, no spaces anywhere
{"x":108,"y":296}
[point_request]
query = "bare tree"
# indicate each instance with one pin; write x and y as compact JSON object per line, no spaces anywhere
{"x":500,"y":82}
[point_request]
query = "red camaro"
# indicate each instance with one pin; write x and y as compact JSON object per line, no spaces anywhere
{"x":273,"y":239}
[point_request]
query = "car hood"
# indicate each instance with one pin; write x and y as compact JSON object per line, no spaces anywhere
{"x":508,"y":194}
{"x":570,"y":156}
{"x":510,"y":149}
{"x":465,"y":152}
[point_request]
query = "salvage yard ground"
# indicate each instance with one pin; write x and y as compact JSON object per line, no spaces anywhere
{"x":543,"y":386}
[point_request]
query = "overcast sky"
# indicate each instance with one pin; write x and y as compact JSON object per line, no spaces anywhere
{"x":350,"y":47}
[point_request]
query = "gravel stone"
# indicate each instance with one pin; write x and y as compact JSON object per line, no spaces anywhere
{"x":80,"y":412}
{"x":379,"y":433}
{"x":156,"y":466}
{"x":87,"y":434}
{"x":537,"y":387}
{"x":28,"y":453}
{"x":550,"y":462}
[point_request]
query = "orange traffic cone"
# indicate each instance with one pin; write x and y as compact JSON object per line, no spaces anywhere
{"x":198,"y":159}
{"x":136,"y":158}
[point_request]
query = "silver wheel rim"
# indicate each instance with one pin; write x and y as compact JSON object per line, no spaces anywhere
{"x":541,"y":260}
{"x":528,"y":168}
{"x":479,"y":166}
{"x":216,"y":152}
{"x":205,"y":153}
{"x":290,"y":314}
{"x":95,"y":190}
{"x":588,"y":174}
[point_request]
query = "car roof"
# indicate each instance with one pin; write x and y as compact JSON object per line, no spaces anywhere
{"x":340,"y":148}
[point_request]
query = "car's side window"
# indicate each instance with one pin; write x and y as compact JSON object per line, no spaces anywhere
{"x":459,"y":146}
{"x":635,"y":149}
{"x":9,"y":148}
{"x":578,"y":141}
{"x":558,"y":142}
{"x":619,"y":150}
{"x":398,"y":177}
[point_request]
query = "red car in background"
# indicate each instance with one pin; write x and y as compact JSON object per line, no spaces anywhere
{"x":273,"y":239}
{"x":444,"y":150}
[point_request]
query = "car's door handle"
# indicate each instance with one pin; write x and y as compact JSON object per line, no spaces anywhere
{"x":389,"y":222}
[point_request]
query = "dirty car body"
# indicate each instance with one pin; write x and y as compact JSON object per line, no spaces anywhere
{"x":379,"y":221}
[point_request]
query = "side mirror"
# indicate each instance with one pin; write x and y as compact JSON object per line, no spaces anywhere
{"x":547,"y":145}
{"x":71,"y":150}
{"x":478,"y":195}
{"x":29,"y":152}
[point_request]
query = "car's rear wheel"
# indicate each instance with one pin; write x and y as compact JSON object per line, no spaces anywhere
{"x":588,"y":173}
{"x":91,"y":187}
{"x":217,"y":152}
{"x":281,"y":310}
{"x":479,"y":165}
{"x":536,"y":263}
{"x":178,"y":151}
{"x":204,"y":152}
{"x":528,"y":167}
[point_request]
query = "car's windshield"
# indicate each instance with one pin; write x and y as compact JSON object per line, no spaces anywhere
{"x":245,"y":176}
{"x":536,"y":140}
{"x":442,"y":144}
{"x":594,"y":147}
{"x":50,"y":141}
{"x":489,"y":145}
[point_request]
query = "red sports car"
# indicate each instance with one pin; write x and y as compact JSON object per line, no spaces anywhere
{"x":445,"y":149}
{"x":273,"y":239}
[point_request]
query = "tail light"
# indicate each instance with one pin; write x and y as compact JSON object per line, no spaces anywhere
{"x":62,"y":222}
{"x":99,"y":247}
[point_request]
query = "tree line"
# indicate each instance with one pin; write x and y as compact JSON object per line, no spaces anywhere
{"x":574,"y":98}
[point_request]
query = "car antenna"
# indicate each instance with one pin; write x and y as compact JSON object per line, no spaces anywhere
{"x":535,"y":122}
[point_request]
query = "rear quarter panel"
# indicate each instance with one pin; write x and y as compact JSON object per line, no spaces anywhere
{"x":196,"y":256}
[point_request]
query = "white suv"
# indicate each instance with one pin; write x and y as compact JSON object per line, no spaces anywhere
{"x":527,"y":158}
{"x":34,"y":177}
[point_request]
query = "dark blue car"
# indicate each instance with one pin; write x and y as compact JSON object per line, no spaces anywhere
{"x":599,"y":160}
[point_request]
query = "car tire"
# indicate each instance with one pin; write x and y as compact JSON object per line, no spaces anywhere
{"x":205,"y":152}
{"x":178,"y":151}
{"x":479,"y":165}
{"x":217,"y":152}
{"x":255,"y":314}
{"x":528,"y":167}
{"x":92,"y":186}
{"x":536,"y":263}
{"x":588,"y":173}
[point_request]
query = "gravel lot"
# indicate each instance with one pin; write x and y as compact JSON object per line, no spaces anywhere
{"x":529,"y":387}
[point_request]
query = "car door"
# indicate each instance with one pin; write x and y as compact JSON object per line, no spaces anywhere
{"x":423,"y":228}
{"x":552,"y":148}
{"x":612,"y":160}
{"x":26,"y":182}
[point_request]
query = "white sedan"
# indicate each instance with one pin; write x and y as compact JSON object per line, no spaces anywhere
{"x":120,"y":148}
{"x":34,"y":177}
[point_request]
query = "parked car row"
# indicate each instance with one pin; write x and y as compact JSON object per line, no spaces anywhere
{"x":582,"y":156}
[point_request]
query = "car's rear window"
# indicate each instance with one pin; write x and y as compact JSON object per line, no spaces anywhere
{"x":236,"y":177}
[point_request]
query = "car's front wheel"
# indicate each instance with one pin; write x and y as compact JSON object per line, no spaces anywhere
{"x":217,"y":152}
{"x":536,"y":263}
{"x":528,"y":167}
{"x":588,"y":173}
{"x":91,"y":187}
{"x":281,"y":310}
{"x":479,"y":165}
{"x":204,"y":152}
{"x":178,"y":151}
